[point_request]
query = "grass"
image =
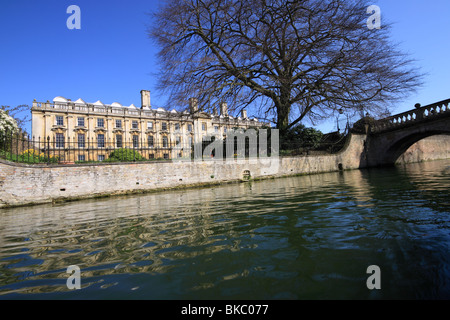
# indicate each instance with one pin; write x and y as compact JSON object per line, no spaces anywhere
{"x":27,"y":158}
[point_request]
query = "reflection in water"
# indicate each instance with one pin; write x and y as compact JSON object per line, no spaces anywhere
{"x":309,"y":237}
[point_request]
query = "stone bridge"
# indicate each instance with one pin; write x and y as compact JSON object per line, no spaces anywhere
{"x":389,"y":138}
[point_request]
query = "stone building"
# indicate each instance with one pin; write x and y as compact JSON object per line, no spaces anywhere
{"x":81,"y":131}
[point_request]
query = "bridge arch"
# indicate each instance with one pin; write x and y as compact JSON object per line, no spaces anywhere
{"x":391,"y":137}
{"x":397,"y":149}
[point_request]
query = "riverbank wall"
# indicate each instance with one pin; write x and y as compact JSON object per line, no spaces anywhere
{"x":22,"y":184}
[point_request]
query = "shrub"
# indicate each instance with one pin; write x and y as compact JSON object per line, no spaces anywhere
{"x":34,"y":156}
{"x":51,"y":159}
{"x":28,"y":157}
{"x":31,"y":153}
{"x":125,"y":154}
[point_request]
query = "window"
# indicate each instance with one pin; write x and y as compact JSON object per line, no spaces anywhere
{"x":135,"y":141}
{"x":100,"y":123}
{"x":177,"y":127}
{"x":135,"y":125}
{"x":81,"y":122}
{"x":225,"y":130}
{"x":119,"y":141}
{"x":81,"y":141}
{"x":190,"y":127}
{"x":59,"y":120}
{"x":59,"y":140}
{"x":166,"y":156}
{"x":177,"y":140}
{"x":150,"y":142}
{"x":81,"y":157}
{"x":164,"y":126}
{"x":203,"y":126}
{"x":165,"y":141}
{"x":101,"y":141}
{"x":151,"y":156}
{"x":216,"y":129}
{"x":119,"y":124}
{"x":150,"y":125}
{"x":101,"y":157}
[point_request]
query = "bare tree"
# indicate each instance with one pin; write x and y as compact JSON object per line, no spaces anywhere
{"x":288,"y":60}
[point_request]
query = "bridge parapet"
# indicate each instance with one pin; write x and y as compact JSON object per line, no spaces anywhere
{"x":430,"y":112}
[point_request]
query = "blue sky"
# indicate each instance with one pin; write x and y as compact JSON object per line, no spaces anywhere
{"x":111,"y":57}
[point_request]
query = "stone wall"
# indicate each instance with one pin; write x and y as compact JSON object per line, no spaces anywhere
{"x":22,"y":184}
{"x":25,"y":184}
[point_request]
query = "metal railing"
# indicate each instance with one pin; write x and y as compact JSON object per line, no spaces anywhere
{"x":24,"y":149}
{"x":64,"y":150}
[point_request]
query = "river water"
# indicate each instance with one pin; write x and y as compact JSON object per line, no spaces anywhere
{"x":308,"y":237}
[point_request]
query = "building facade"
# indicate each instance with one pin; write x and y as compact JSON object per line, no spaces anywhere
{"x":80,"y":131}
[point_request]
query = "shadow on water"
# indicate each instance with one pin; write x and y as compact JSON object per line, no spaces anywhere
{"x":309,"y":237}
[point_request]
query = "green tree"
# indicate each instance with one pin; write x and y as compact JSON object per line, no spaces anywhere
{"x":300,"y":137}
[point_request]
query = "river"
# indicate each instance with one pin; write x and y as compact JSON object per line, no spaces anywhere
{"x":306,"y":237}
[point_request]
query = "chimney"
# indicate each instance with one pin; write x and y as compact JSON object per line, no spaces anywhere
{"x":244,"y":114}
{"x":193,"y":105}
{"x":224,"y":109}
{"x":145,"y":99}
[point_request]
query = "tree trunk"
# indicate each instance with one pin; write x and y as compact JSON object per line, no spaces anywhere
{"x":283,"y":110}
{"x":283,"y":119}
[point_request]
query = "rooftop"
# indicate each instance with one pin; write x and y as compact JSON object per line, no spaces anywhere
{"x":62,"y":103}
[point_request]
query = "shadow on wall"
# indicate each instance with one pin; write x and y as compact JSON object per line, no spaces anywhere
{"x":431,"y":148}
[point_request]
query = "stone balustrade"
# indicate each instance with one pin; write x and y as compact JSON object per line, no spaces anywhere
{"x":135,"y":112}
{"x":105,"y":109}
{"x":432,"y":111}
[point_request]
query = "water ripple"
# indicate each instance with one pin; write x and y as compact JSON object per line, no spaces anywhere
{"x":304,"y":237}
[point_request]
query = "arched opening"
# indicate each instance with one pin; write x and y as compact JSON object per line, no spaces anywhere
{"x":436,"y":147}
{"x":246,"y":175}
{"x":418,"y":147}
